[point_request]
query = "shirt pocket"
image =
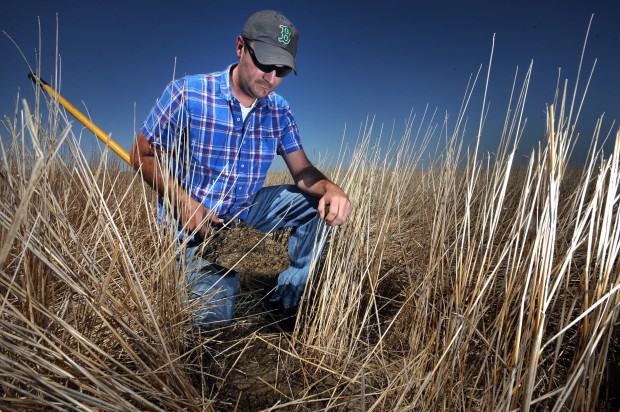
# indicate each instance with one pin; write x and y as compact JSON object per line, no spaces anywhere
{"x":268,"y":148}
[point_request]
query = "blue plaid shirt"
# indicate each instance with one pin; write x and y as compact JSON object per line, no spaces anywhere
{"x":220,"y":159}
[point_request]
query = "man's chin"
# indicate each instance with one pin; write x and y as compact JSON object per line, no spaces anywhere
{"x":261,"y":92}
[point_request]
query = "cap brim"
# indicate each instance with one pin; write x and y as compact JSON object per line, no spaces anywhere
{"x":269,"y":54}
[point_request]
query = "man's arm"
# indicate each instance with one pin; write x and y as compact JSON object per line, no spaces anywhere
{"x":334,"y":205}
{"x":144,"y":158}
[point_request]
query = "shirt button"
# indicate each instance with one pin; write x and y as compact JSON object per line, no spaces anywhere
{"x":242,"y":165}
{"x":238,"y":118}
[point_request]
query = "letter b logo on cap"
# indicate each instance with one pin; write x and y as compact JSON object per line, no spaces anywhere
{"x":285,"y":34}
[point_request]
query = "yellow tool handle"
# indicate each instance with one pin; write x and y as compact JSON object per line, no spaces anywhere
{"x":83,"y":119}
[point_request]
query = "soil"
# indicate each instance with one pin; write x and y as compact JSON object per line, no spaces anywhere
{"x":247,"y":365}
{"x":250,"y":366}
{"x":248,"y":251}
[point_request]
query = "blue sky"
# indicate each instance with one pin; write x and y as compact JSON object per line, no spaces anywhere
{"x":356,"y":60}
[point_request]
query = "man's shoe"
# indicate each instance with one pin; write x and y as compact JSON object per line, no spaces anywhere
{"x":283,"y":319}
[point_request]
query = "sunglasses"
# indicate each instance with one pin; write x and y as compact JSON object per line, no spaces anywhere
{"x":281,"y":71}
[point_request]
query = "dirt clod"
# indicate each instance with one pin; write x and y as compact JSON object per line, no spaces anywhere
{"x":248,"y":251}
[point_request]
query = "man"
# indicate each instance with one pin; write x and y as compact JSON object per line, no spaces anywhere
{"x":220,"y":132}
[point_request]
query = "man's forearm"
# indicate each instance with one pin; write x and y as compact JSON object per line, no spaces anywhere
{"x":192,"y":213}
{"x":165,"y":186}
{"x":312,"y":181}
{"x":334,"y":206}
{"x":145,"y":159}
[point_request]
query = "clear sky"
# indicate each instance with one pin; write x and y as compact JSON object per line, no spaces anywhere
{"x":357,"y":59}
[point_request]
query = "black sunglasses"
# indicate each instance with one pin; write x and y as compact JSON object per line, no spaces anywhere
{"x":281,"y":71}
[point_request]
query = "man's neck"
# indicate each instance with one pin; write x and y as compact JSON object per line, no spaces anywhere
{"x":243,"y":98}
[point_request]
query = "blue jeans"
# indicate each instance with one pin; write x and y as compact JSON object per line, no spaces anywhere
{"x":212,"y":289}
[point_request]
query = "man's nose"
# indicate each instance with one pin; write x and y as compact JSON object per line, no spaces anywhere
{"x":270,"y":76}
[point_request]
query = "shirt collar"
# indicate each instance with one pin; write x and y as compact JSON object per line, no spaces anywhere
{"x":227,"y":92}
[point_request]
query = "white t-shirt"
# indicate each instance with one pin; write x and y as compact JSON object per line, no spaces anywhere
{"x":246,"y":110}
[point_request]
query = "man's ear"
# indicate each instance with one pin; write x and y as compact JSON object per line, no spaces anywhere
{"x":239,"y":46}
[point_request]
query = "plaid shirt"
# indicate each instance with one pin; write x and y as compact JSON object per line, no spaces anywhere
{"x":220,"y":159}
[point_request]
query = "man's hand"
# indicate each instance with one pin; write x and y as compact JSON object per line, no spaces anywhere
{"x":194,"y":215}
{"x":334,"y":206}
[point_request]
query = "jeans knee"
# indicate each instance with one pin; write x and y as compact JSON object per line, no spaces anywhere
{"x":213,"y":315}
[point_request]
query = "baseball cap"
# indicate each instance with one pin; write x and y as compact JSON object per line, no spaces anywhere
{"x":275,"y":38}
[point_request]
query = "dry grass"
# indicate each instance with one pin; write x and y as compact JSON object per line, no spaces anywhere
{"x":469,"y":284}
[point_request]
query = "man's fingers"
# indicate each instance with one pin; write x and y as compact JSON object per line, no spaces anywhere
{"x":334,"y":210}
{"x":332,"y":214}
{"x":196,"y":216}
{"x":337,"y":214}
{"x":321,"y":208}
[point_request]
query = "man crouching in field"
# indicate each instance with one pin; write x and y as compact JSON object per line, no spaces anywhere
{"x":221,"y":131}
